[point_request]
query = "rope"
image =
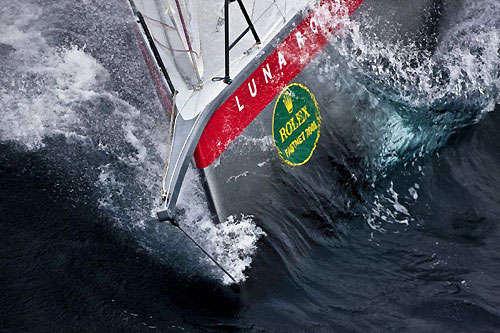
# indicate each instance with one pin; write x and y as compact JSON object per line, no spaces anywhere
{"x":174,"y":50}
{"x":204,"y":251}
{"x":279,"y":10}
{"x":265,"y":11}
{"x":274,"y":3}
{"x":160,"y":22}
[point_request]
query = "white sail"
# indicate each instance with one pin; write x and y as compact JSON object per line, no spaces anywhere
{"x":174,"y":27}
{"x":189,"y":35}
{"x":184,"y":15}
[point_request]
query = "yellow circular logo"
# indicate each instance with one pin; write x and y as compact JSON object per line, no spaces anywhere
{"x":296,"y":124}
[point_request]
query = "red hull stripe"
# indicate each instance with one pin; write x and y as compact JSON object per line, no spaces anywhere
{"x":262,"y":86}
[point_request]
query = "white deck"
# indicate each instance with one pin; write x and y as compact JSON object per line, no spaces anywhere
{"x":207,"y":35}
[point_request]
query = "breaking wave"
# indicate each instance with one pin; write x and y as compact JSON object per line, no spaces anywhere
{"x":423,"y":87}
{"x":405,"y":236}
{"x":436,"y":85}
{"x":96,"y":94}
{"x":54,"y":85}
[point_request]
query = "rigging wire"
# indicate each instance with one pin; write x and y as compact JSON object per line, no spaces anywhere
{"x":274,"y":3}
{"x":141,"y":21}
{"x":158,"y":21}
{"x":175,"y":223}
{"x":244,"y":54}
{"x":174,"y":50}
{"x":279,"y":10}
{"x":188,"y":40}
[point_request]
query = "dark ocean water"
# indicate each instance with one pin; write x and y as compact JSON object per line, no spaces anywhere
{"x":415,"y":246}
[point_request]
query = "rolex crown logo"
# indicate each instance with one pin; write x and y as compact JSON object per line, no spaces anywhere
{"x":287,"y":100}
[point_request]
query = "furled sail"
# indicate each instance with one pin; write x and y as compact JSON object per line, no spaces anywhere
{"x":174,"y":27}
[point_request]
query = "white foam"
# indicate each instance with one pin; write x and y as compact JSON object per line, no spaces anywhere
{"x":387,"y":208}
{"x":54,"y":91}
{"x":436,"y":92}
{"x":233,"y":242}
{"x":45,"y":85}
{"x":430,"y":106}
{"x":413,"y":192}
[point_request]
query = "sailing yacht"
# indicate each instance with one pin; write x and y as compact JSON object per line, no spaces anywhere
{"x":237,"y":78}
